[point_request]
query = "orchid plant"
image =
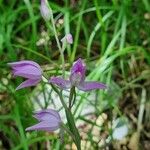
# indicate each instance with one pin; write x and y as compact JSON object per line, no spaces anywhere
{"x":49,"y":119}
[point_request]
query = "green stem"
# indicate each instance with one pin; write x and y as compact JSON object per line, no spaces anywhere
{"x":58,"y":44}
{"x":67,"y":130}
{"x":60,"y":96}
{"x":70,"y":119}
{"x":73,"y":129}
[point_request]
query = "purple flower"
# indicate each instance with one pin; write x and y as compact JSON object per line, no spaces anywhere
{"x":29,"y":70}
{"x":45,"y":10}
{"x":77,"y":79}
{"x":49,"y":120}
{"x":67,"y":38}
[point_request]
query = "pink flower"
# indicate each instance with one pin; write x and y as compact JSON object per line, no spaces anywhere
{"x":49,"y":120}
{"x":29,"y":70}
{"x":77,"y":79}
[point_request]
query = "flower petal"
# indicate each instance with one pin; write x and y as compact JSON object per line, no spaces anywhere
{"x":45,"y":126}
{"x":28,"y":83}
{"x":28,"y":71}
{"x":62,"y":83}
{"x":78,"y":68}
{"x":88,"y":86}
{"x":47,"y":114}
{"x":23,"y":63}
{"x":46,"y":117}
{"x":76,"y":79}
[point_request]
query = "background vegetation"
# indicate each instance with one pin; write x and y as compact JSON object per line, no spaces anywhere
{"x":113,"y":37}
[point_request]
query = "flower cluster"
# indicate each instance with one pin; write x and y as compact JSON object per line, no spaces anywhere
{"x":50,"y":119}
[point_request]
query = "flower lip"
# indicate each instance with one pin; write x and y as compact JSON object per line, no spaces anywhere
{"x":76,"y":79}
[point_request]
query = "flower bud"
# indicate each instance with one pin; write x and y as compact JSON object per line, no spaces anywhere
{"x":46,"y":11}
{"x":67,"y":38}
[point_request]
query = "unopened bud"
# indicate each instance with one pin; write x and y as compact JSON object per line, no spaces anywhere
{"x":46,"y":11}
{"x":67,"y":38}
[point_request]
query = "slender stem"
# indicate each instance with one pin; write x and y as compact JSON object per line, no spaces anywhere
{"x":57,"y":91}
{"x":55,"y":32}
{"x":67,"y":130}
{"x":44,"y":95}
{"x":60,"y":96}
{"x":70,"y":119}
{"x":58,"y":44}
{"x":63,"y":60}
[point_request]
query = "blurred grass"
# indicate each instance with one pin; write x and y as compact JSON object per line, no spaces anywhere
{"x":112,"y":36}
